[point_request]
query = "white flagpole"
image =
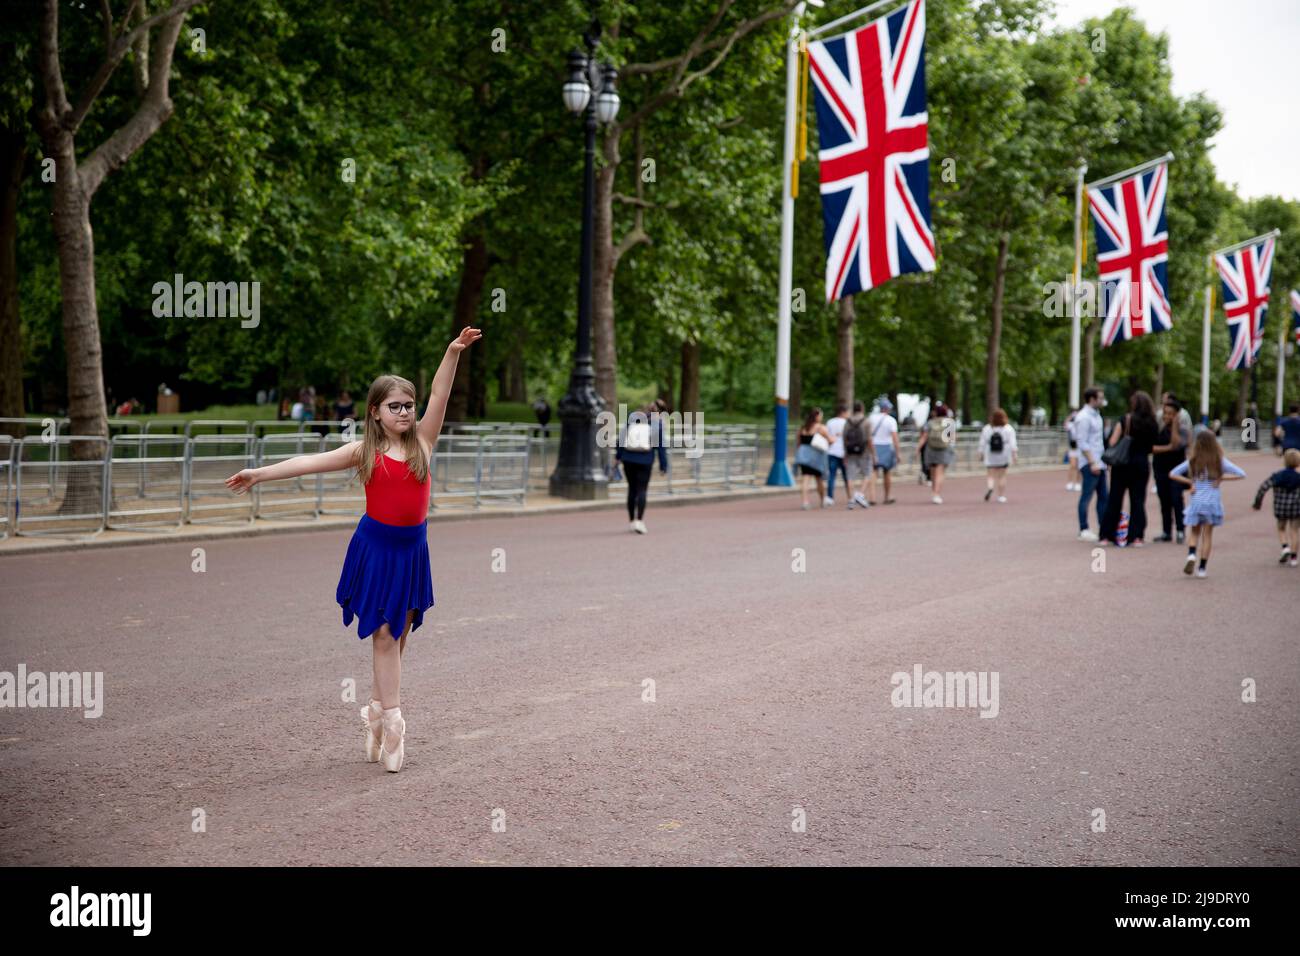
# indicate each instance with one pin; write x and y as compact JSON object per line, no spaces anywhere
{"x":1075,"y":335}
{"x":780,"y":473}
{"x":1281,"y":370}
{"x":1205,"y":345}
{"x":1140,"y":168}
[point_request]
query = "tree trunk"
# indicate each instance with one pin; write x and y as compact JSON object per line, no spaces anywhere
{"x":1052,"y":403}
{"x":76,"y":245}
{"x":845,"y":386}
{"x":690,"y":394}
{"x":950,"y":392}
{"x":1026,"y":407}
{"x":1243,"y":396}
{"x":966,"y":416}
{"x":514,"y":381}
{"x":991,"y":397}
{"x":1160,"y":384}
{"x":13,"y":156}
{"x":473,"y":275}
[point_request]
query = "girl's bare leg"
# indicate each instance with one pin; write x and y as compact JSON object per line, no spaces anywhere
{"x":936,"y":472}
{"x":388,"y":664}
{"x":803,"y":489}
{"x":1207,"y":539}
{"x":1002,"y":482}
{"x":1295,"y":535}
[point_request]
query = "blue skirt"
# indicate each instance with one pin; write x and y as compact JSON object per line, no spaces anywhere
{"x":385,"y":574}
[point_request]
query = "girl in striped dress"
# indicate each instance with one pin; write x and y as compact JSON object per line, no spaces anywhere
{"x":1207,"y":468}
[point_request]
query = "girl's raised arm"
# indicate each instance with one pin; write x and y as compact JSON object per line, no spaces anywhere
{"x":336,"y":459}
{"x":431,"y":424}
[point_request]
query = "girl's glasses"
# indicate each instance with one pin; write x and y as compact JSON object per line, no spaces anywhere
{"x":398,"y":407}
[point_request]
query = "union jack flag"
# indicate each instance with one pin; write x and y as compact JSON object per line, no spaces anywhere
{"x":874,"y":156}
{"x":1245,"y":274}
{"x":1133,"y":255}
{"x":1295,"y":315}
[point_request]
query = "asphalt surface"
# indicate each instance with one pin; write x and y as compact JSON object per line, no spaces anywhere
{"x":1118,"y":691}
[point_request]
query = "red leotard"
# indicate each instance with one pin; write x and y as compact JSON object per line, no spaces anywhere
{"x":393,"y":496}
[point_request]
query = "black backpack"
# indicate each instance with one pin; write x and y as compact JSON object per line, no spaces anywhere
{"x":855,"y":436}
{"x":995,"y":442}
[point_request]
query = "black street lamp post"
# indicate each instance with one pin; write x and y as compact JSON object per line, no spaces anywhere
{"x":578,"y":472}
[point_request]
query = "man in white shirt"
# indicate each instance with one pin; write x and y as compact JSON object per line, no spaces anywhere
{"x":835,"y":454}
{"x":883,"y":431}
{"x":1089,"y":434}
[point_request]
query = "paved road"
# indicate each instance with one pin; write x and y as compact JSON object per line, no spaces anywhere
{"x":1118,"y":691}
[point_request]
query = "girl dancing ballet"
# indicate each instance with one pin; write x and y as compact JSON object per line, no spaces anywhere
{"x":386,"y":582}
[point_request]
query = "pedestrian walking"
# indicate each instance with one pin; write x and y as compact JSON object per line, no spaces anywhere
{"x":1285,"y":484}
{"x":857,"y":455}
{"x":938,"y":447}
{"x":814,"y":443}
{"x":640,"y":440}
{"x":998,"y":447}
{"x":1203,"y":471}
{"x":884,"y":448}
{"x":386,"y":582}
{"x":835,"y":454}
{"x":1287,"y":429}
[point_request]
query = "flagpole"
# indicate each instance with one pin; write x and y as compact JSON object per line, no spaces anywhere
{"x":858,"y":13}
{"x":1271,"y":234}
{"x":780,"y":473}
{"x":1281,"y":371}
{"x":1140,"y":168}
{"x":1205,"y":343}
{"x":1075,"y":335}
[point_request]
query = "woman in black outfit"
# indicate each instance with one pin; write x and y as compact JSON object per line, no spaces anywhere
{"x":1132,"y":475}
{"x":640,"y":441}
{"x":1167,"y":455}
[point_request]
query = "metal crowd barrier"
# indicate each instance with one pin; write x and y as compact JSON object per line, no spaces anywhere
{"x":290,"y":497}
{"x":146,"y":481}
{"x":468,"y":467}
{"x":209,"y":461}
{"x":57,"y":492}
{"x":7,"y":446}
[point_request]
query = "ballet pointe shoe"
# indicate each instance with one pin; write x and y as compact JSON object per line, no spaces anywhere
{"x":393,"y":749}
{"x":373,"y":717}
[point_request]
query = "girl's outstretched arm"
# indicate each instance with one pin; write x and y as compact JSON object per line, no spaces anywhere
{"x":336,"y":459}
{"x":431,"y":424}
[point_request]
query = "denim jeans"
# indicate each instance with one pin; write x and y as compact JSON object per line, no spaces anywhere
{"x":837,"y":464}
{"x":1092,"y":482}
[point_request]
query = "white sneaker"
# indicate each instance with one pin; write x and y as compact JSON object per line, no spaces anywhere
{"x":631,"y":525}
{"x":937,"y":500}
{"x":1069,"y":486}
{"x":638,"y":526}
{"x":1002,"y":499}
{"x":860,"y":501}
{"x":1086,"y":535}
{"x":828,"y":502}
{"x":1200,"y":572}
{"x":1190,"y":563}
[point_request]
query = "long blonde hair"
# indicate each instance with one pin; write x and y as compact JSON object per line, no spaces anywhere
{"x":375,"y":440}
{"x":1206,"y":459}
